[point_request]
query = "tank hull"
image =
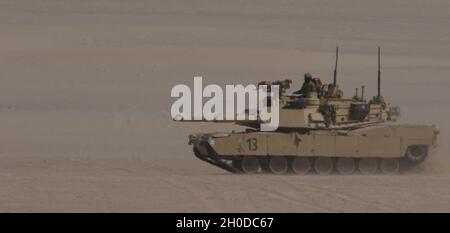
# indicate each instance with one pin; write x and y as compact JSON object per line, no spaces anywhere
{"x":407,"y":144}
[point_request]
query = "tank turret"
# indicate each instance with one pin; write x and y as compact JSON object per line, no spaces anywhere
{"x":322,"y":106}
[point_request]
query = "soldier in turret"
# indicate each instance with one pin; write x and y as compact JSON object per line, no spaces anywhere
{"x":308,"y":85}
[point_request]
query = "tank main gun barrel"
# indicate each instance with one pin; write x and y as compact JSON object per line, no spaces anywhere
{"x":241,"y":117}
{"x":245,"y":122}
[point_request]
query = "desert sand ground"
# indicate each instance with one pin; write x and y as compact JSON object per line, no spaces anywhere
{"x":85,"y":100}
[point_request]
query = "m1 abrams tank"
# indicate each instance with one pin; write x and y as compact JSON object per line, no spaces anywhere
{"x":321,"y":132}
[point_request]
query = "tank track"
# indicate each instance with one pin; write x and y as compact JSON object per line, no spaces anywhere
{"x":249,"y":164}
{"x":235,"y":165}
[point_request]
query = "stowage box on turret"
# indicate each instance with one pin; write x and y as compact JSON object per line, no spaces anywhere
{"x":321,"y":132}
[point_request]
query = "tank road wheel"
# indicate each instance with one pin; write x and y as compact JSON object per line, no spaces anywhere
{"x":323,"y":165}
{"x":416,"y":153}
{"x":301,"y":165}
{"x":278,"y":164}
{"x":250,"y":164}
{"x":390,"y":166}
{"x":345,"y":166}
{"x":368,"y":166}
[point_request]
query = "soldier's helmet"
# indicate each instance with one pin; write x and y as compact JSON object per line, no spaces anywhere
{"x":308,"y":77}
